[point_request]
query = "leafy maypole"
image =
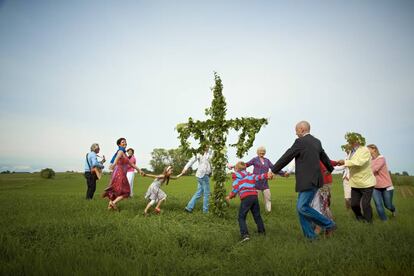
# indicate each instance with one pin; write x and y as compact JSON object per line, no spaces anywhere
{"x":213,"y":132}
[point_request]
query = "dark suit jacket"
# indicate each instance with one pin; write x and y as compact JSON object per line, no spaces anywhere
{"x":307,"y":151}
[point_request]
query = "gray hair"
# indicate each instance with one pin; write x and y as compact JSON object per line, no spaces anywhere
{"x":94,"y":146}
{"x":261,"y":148}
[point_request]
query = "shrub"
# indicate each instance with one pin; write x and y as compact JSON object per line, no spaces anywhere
{"x":47,"y":173}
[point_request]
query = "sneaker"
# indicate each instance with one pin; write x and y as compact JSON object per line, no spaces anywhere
{"x":187,"y":210}
{"x":245,"y":238}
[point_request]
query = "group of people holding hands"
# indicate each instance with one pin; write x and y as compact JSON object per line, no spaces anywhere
{"x":365,"y":175}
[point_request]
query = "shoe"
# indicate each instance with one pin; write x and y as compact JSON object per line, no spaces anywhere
{"x":329,"y":231}
{"x":245,"y":238}
{"x":187,"y":210}
{"x":157,"y":210}
{"x":317,"y":230}
{"x":394,"y":214}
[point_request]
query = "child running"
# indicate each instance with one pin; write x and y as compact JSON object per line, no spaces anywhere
{"x":154,"y":193}
{"x":244,"y":185}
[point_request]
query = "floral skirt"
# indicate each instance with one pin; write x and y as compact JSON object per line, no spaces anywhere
{"x":322,"y":201}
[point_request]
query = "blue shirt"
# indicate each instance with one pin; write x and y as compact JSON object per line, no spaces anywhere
{"x":93,"y":162}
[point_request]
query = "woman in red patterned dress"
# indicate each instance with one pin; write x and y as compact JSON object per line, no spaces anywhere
{"x":119,"y":188}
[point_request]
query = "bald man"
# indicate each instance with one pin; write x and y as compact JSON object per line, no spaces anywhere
{"x":307,"y":152}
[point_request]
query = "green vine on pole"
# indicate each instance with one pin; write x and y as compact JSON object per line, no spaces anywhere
{"x":213,"y":132}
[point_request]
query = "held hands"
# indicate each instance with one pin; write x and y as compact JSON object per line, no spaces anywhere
{"x":103,"y":159}
{"x":270,"y":175}
{"x":286,"y":174}
{"x":228,"y":201}
{"x":178,"y":176}
{"x":183,"y":172}
{"x":229,"y":166}
{"x":341,"y":162}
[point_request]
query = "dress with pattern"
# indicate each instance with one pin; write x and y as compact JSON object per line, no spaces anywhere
{"x":119,"y":185}
{"x":154,"y":191}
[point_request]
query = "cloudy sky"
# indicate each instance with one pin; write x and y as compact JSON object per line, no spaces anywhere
{"x":77,"y":72}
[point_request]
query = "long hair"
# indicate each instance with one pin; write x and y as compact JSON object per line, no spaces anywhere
{"x":166,"y":178}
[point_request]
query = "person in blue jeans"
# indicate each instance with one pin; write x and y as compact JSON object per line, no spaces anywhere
{"x":203,"y":179}
{"x":244,"y":184}
{"x":383,"y":190}
{"x":307,"y":152}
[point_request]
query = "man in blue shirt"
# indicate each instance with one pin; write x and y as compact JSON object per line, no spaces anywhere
{"x":90,"y":163}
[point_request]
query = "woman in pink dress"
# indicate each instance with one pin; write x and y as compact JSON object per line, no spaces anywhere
{"x":119,"y":188}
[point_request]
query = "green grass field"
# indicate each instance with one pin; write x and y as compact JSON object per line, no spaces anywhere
{"x":48,"y":228}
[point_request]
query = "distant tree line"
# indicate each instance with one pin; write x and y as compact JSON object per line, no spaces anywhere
{"x":160,"y":158}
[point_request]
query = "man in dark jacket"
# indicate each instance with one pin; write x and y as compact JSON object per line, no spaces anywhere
{"x":307,"y":152}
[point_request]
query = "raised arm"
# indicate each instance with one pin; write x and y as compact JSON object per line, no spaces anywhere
{"x":287,"y":157}
{"x":189,"y":164}
{"x":153,"y":175}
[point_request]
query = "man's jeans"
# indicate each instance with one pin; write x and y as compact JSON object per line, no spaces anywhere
{"x":203,"y":188}
{"x":250,"y":203}
{"x":308,"y":215}
{"x":383,"y":197}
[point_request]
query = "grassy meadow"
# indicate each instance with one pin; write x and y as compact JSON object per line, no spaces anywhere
{"x":48,"y":228}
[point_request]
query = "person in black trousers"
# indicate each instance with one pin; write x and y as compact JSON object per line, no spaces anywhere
{"x":90,"y":163}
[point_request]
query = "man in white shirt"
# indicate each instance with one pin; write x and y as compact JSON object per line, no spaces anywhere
{"x":203,"y":179}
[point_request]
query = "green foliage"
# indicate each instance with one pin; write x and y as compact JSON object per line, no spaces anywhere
{"x":172,"y":157}
{"x":213,"y":132}
{"x":47,"y":173}
{"x":352,"y":138}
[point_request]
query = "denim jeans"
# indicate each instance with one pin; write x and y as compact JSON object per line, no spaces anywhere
{"x":202,"y":189}
{"x":361,"y":197}
{"x":308,"y":215}
{"x":383,"y":197}
{"x":250,"y":203}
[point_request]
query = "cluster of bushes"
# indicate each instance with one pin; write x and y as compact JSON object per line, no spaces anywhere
{"x":47,"y":173}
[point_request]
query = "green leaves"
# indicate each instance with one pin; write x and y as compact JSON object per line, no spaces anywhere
{"x":214,"y":132}
{"x":352,"y":138}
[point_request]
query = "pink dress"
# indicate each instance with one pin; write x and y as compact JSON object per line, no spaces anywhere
{"x":118,"y":186}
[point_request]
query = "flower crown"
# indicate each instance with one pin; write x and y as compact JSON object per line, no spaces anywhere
{"x":351,"y":138}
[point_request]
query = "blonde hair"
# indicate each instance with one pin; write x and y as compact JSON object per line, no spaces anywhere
{"x":374,"y":147}
{"x":240,"y":166}
{"x":94,"y":146}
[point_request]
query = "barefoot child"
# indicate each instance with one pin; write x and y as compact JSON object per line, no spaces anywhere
{"x":244,"y":185}
{"x":154,"y":193}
